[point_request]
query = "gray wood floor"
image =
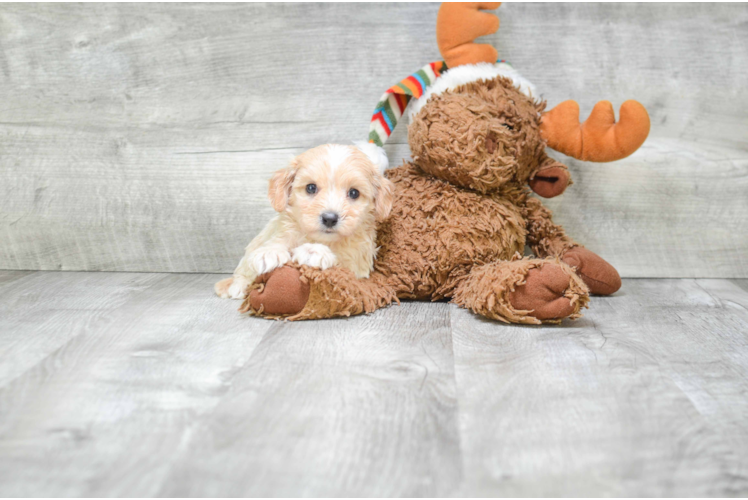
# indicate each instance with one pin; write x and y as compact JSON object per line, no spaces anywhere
{"x":117,"y":384}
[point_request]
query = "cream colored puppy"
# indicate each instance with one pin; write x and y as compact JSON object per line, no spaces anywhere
{"x":329,"y":200}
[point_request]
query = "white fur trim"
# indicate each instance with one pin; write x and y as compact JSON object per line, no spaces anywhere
{"x":376,"y":154}
{"x":467,"y":73}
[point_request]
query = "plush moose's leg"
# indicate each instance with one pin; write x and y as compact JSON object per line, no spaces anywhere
{"x":530,"y":291}
{"x":599,"y":276}
{"x":296,"y":293}
{"x":549,"y":240}
{"x":279,"y":293}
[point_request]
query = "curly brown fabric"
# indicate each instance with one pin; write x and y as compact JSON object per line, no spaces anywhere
{"x":482,"y":136}
{"x":488,"y":291}
{"x":543,"y":236}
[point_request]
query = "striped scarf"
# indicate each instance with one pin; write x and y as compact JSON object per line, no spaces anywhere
{"x":392,"y":104}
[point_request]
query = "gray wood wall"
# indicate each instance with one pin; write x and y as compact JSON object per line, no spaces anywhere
{"x":141,"y":137}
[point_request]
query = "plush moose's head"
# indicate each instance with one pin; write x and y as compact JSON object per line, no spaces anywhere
{"x":481,"y":128}
{"x":482,"y":135}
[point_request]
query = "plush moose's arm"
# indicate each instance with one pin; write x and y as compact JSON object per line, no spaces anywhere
{"x":544,"y":237}
{"x":549,"y":240}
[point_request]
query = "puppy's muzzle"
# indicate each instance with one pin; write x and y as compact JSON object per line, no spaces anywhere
{"x":329,"y":219}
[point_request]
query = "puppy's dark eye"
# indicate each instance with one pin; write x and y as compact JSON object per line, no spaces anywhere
{"x":311,"y":188}
{"x":353,"y":193}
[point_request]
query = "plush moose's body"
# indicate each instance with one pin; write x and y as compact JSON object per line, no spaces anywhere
{"x":463,"y":209}
{"x":462,"y":214}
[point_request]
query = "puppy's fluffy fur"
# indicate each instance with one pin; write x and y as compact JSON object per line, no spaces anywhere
{"x":348,"y":188}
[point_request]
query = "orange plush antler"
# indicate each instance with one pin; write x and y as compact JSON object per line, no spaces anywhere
{"x":458,"y":24}
{"x":599,"y":138}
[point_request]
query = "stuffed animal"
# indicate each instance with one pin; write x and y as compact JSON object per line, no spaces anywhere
{"x":463,"y":209}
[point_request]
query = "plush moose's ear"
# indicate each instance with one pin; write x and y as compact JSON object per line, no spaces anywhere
{"x":280,"y":185}
{"x":550,"y":180}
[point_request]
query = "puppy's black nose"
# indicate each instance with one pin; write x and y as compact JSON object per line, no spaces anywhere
{"x":329,"y":219}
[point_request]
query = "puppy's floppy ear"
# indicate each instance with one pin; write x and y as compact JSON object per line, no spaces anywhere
{"x":385,"y":190}
{"x":383,"y":198}
{"x":376,"y":154}
{"x":280,"y":185}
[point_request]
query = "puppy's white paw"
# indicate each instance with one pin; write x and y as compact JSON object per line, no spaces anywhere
{"x":314,"y":255}
{"x":222,"y":287}
{"x":238,"y":288}
{"x":265,"y":259}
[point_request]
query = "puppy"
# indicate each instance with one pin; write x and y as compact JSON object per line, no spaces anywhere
{"x":328,"y":200}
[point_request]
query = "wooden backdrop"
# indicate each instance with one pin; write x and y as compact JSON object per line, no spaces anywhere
{"x":141,"y":137}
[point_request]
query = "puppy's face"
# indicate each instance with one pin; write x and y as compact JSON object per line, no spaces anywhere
{"x":332,"y":191}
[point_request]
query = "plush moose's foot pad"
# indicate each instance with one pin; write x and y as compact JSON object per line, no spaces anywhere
{"x":281,"y":293}
{"x":544,"y":293}
{"x":599,"y":276}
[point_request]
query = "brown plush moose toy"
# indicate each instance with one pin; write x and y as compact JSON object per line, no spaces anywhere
{"x":463,"y":210}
